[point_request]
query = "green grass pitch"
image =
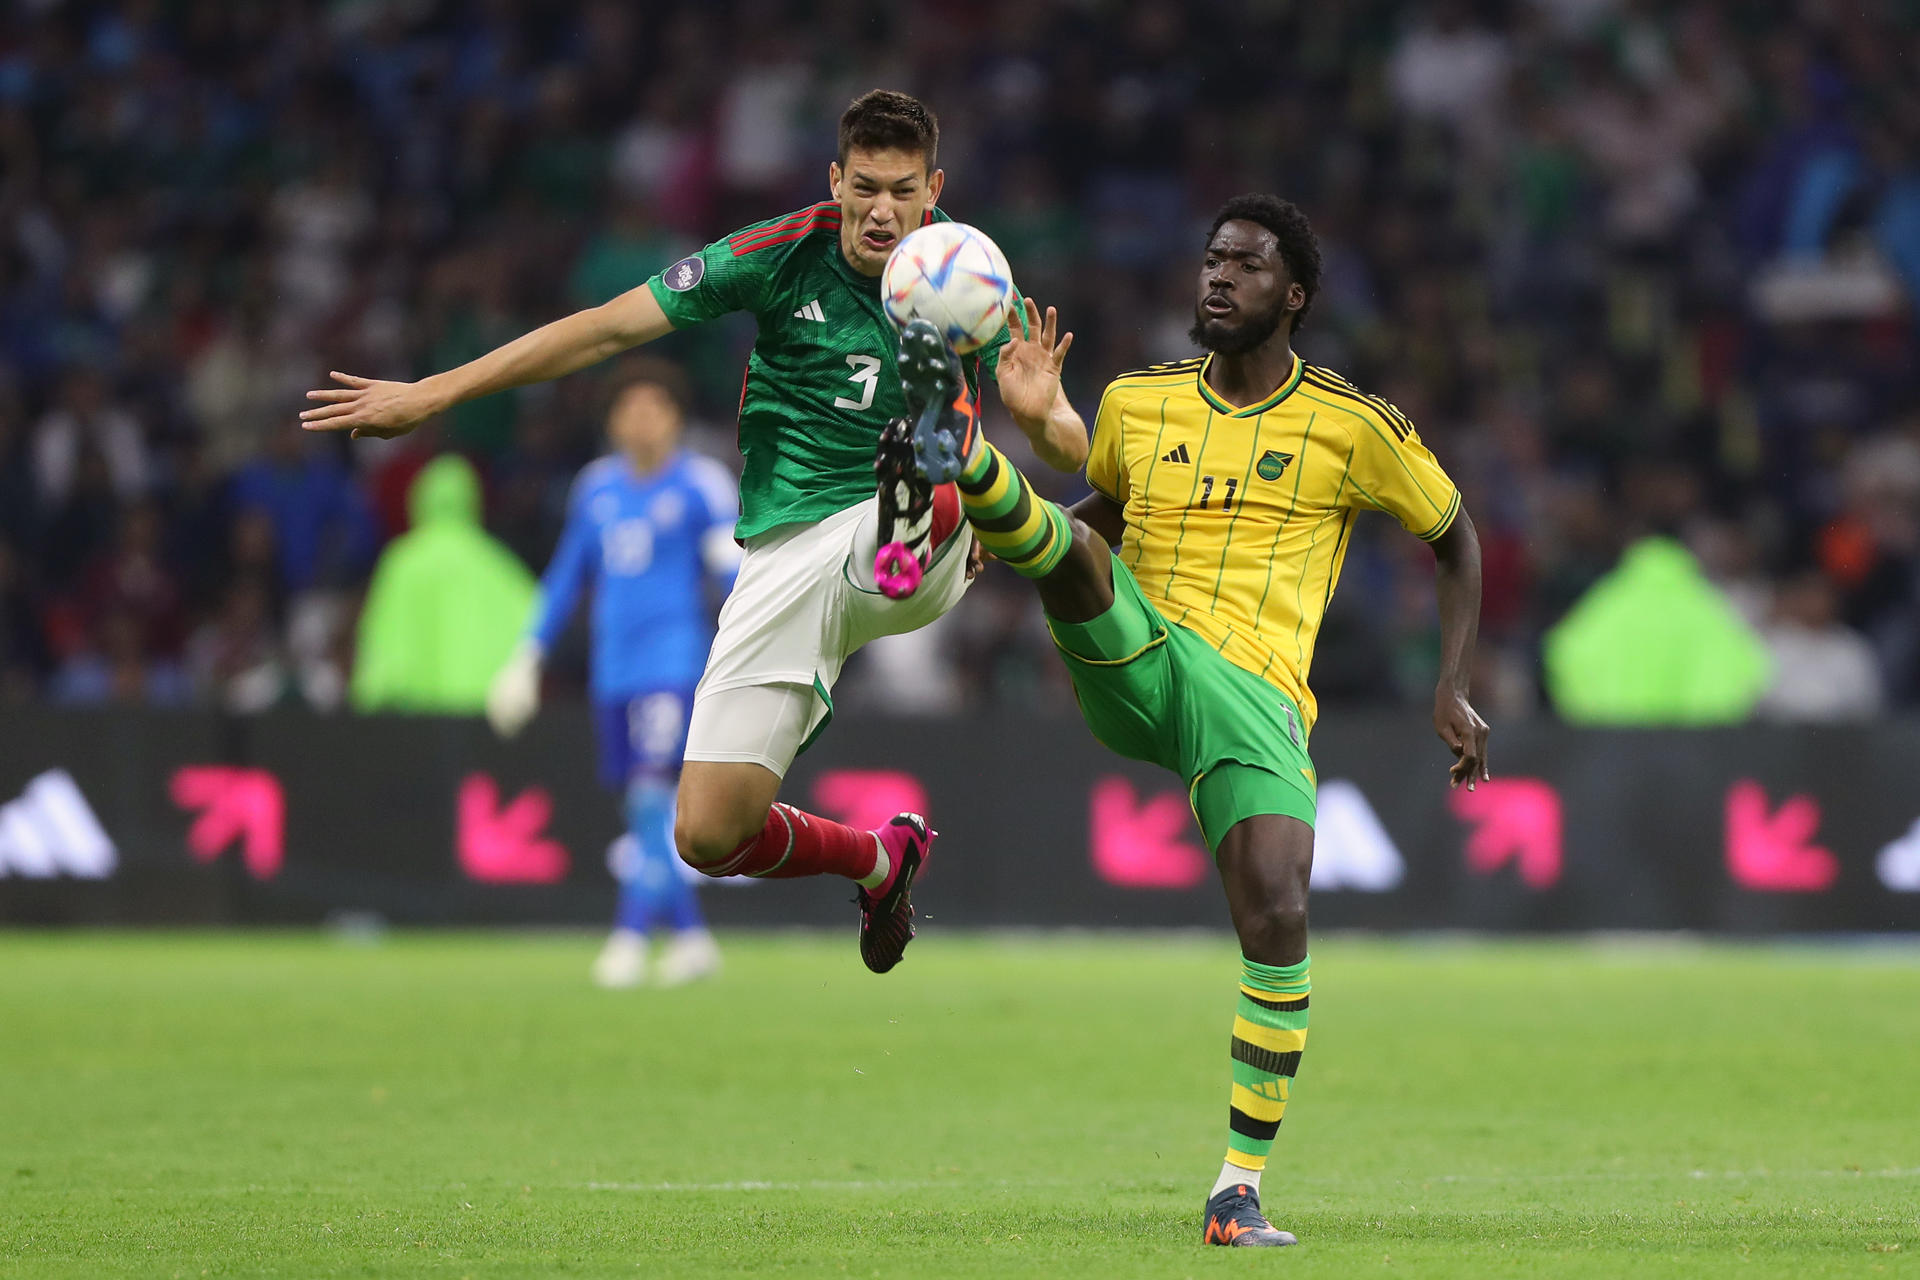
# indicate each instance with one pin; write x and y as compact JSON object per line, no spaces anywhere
{"x":466,"y":1105}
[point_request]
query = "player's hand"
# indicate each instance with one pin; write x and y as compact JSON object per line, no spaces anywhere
{"x":1465,"y":734}
{"x":1030,"y":364}
{"x":369,"y":407}
{"x":514,"y":695}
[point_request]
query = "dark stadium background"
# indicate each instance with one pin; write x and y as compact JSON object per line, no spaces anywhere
{"x":1635,"y":270}
{"x":290,"y":988}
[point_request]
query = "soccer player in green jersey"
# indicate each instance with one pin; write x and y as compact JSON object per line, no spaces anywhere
{"x":1229,"y":483}
{"x":821,"y":385}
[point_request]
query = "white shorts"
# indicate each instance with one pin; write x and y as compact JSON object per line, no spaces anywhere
{"x":804,"y":601}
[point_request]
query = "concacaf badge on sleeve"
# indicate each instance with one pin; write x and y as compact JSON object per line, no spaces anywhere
{"x":686,"y":273}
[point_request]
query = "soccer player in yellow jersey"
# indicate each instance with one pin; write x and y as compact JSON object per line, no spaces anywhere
{"x":1229,"y":482}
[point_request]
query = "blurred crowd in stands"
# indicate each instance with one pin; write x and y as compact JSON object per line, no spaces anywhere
{"x":1637,"y":269}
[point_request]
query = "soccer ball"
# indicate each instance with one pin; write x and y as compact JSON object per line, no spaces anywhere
{"x":950,"y":274}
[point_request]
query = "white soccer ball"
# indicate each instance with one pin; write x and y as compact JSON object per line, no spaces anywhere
{"x":952,"y":275}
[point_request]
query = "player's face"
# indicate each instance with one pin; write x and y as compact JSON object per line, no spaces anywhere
{"x":883,"y":195}
{"x":1246,"y":292}
{"x":644,"y":423}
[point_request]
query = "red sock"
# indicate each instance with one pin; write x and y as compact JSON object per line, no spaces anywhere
{"x":793,"y":844}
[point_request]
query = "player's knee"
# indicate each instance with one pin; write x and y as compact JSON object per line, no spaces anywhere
{"x":1086,"y":542}
{"x":1085,"y":549}
{"x":706,"y":842}
{"x":700,"y":846}
{"x":1079,"y":587}
{"x":1276,"y":932}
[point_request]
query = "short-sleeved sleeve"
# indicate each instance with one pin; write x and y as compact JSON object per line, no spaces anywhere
{"x":1106,"y":464}
{"x":1392,"y":471}
{"x":709,"y":284}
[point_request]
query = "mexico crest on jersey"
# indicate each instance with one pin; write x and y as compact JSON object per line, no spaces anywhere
{"x":1272,"y":464}
{"x":686,"y":273}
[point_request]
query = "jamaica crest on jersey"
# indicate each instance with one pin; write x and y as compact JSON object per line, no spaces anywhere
{"x":1272,"y":464}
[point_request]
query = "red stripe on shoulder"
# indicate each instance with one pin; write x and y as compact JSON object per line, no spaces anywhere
{"x":741,"y":251}
{"x":784,"y":220}
{"x":800,"y":224}
{"x":801,"y":218}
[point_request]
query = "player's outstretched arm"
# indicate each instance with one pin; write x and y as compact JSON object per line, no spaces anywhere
{"x":370,"y":407}
{"x":1456,"y":554}
{"x":1029,"y":376}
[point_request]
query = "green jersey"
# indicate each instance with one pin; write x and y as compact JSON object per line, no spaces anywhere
{"x":821,"y":382}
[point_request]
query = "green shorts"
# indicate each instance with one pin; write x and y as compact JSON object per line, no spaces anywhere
{"x":1160,"y":693}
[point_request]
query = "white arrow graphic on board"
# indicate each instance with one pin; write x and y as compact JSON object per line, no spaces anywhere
{"x":1899,"y":863}
{"x":1351,"y":849}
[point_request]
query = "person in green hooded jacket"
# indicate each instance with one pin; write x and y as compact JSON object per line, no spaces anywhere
{"x":1654,"y":642}
{"x":446,"y":605}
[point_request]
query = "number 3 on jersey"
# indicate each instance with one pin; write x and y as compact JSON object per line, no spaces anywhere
{"x":866,"y":375}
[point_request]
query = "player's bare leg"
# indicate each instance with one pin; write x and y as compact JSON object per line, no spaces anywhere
{"x":1265,"y":862}
{"x":721,"y":803}
{"x":729,"y":823}
{"x":1080,"y":587}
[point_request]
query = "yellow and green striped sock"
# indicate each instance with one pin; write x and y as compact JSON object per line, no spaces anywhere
{"x":1269,"y":1034}
{"x":1012,"y":521}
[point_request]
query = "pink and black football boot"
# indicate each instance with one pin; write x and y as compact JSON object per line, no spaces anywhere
{"x":919,"y":457}
{"x":886,"y":910}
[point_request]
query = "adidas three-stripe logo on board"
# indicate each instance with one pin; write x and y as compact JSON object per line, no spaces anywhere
{"x":51,"y":830}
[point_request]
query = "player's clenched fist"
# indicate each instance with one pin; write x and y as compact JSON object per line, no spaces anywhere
{"x":369,"y":407}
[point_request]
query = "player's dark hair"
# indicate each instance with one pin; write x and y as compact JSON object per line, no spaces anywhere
{"x":648,"y":371}
{"x":885,"y":120}
{"x":1299,"y":248}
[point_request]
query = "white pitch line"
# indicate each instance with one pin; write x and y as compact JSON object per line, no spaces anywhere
{"x":821,"y":1184}
{"x":1696,"y":1175}
{"x":1303,"y":1184}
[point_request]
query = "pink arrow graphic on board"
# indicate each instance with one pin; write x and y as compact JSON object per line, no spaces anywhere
{"x":865,"y":798}
{"x":1770,"y":851}
{"x":1514,"y":820}
{"x":1143,"y":844}
{"x":504,"y":845}
{"x":235,"y":804}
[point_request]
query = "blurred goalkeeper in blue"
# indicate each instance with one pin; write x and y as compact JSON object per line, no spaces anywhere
{"x":650,"y":532}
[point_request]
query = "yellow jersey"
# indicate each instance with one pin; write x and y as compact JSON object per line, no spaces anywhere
{"x":1237,"y":518}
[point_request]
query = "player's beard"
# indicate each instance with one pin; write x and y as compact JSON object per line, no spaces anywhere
{"x":1218,"y":336}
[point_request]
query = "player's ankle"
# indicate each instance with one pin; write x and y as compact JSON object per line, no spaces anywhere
{"x":1232,"y":1175}
{"x":875,"y":881}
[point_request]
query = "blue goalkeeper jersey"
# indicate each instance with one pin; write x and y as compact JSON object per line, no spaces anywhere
{"x":649,"y":546}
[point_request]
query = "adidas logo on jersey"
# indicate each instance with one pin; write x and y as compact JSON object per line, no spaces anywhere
{"x":811,"y":311}
{"x":51,"y":830}
{"x":1177,"y":454}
